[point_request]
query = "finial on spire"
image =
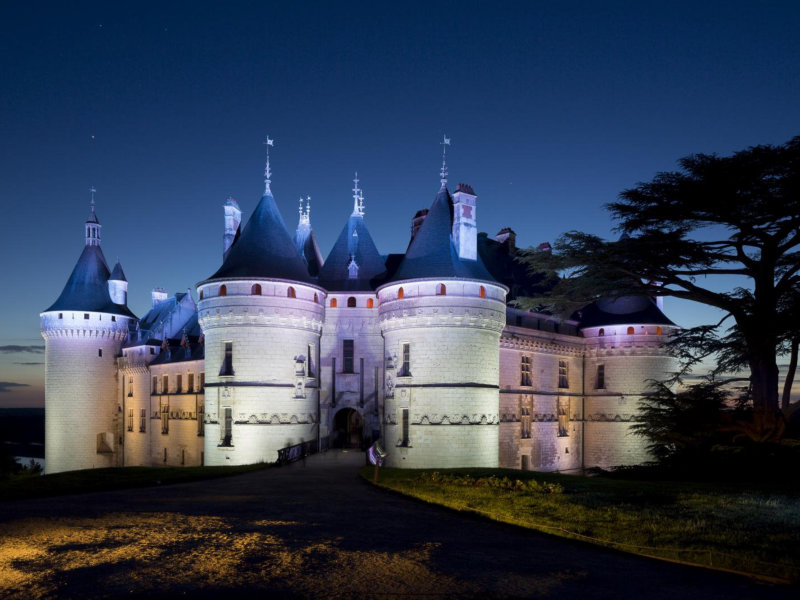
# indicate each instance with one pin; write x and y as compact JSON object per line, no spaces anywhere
{"x":305,"y":215}
{"x":267,"y":172}
{"x":91,"y":203}
{"x":444,"y":143}
{"x":358,"y":198}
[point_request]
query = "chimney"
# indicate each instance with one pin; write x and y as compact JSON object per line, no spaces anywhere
{"x":506,"y":234}
{"x":465,"y":229}
{"x":233,"y":218}
{"x":416,"y":223}
{"x":158,"y":295}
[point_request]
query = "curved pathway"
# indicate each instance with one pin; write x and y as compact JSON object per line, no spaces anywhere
{"x":313,"y":531}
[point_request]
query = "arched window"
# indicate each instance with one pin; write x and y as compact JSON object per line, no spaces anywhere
{"x":658,"y":331}
{"x":483,"y":292}
{"x":630,"y":330}
{"x":400,"y":294}
{"x":290,"y":293}
{"x":333,"y":303}
{"x":602,"y":332}
{"x":316,"y":299}
{"x":351,"y":302}
{"x":223,"y":290}
{"x":370,"y":303}
{"x":441,"y":290}
{"x":256,"y":289}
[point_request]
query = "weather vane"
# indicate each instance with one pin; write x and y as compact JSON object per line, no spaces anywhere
{"x":92,"y":192}
{"x":444,"y":143}
{"x":267,"y":172}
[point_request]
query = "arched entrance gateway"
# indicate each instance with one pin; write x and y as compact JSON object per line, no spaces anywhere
{"x":348,"y":428}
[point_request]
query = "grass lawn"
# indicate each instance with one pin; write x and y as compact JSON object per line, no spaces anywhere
{"x":101,"y":480}
{"x":753,"y":530}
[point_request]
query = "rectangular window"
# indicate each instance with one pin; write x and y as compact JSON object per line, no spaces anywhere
{"x":227,"y":360}
{"x":60,"y":315}
{"x":310,"y":366}
{"x":525,"y":370}
{"x":405,"y":366}
{"x":143,"y":420}
{"x":164,"y":417}
{"x":600,"y":383}
{"x":130,"y":387}
{"x":404,"y":439}
{"x":227,"y":427}
{"x":85,"y":315}
{"x":113,"y":318}
{"x":100,"y":353}
{"x":179,"y":384}
{"x":563,"y":417}
{"x":152,"y":350}
{"x":190,"y":383}
{"x":201,"y":417}
{"x":202,"y":381}
{"x":348,"y":355}
{"x":525,"y":406}
{"x":155,"y":385}
{"x":165,"y":384}
{"x":563,"y":374}
{"x":130,"y":419}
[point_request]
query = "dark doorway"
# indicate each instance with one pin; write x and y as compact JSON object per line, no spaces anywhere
{"x":347,"y":429}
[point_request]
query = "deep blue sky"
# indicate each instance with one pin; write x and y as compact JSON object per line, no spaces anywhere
{"x":552,"y":107}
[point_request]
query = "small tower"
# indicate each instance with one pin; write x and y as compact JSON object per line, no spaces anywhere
{"x":233,"y":218}
{"x":118,"y":285}
{"x":83,"y":331}
{"x":305,"y":241}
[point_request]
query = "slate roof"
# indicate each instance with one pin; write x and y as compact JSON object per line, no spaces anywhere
{"x":620,"y":311}
{"x":117,"y":274}
{"x":432,"y":253}
{"x":168,"y":317}
{"x":87,"y":286}
{"x":306,"y":244}
{"x":265,"y":249}
{"x":179,"y":350}
{"x":354,"y":241}
{"x":500,"y":259}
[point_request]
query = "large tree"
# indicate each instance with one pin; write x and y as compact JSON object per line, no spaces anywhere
{"x":691,"y":233}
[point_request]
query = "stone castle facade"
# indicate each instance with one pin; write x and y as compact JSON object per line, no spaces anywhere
{"x":420,"y":350}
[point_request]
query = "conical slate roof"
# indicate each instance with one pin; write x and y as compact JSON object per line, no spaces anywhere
{"x":306,"y":244}
{"x":117,"y":274}
{"x":265,"y":249}
{"x":432,"y":253}
{"x":354,"y":242}
{"x":87,"y":286}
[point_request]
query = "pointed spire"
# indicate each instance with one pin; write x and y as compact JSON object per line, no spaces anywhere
{"x":92,"y":228}
{"x":358,"y":198}
{"x":444,"y":143}
{"x":91,"y":203}
{"x":267,"y":172}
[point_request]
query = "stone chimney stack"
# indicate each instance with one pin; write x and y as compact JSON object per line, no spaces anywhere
{"x":506,"y":234}
{"x":465,"y":228}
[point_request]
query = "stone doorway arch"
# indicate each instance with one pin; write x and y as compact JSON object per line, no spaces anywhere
{"x":348,"y":429}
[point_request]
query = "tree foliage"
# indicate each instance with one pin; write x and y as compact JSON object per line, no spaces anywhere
{"x":685,"y":233}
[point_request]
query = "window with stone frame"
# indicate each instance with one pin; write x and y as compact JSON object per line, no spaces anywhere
{"x":227,"y":427}
{"x":165,"y":417}
{"x":348,"y":356}
{"x":165,"y":384}
{"x":563,"y":417}
{"x":143,"y":420}
{"x":227,"y":359}
{"x":405,"y":364}
{"x":525,"y":408}
{"x":525,"y":371}
{"x":563,"y":374}
{"x":179,"y":383}
{"x":202,"y":381}
{"x":311,"y":368}
{"x":190,"y":383}
{"x":404,"y":440}
{"x":201,"y":418}
{"x":600,"y":379}
{"x":130,"y":419}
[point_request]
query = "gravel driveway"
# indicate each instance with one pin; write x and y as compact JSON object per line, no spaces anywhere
{"x":313,"y":531}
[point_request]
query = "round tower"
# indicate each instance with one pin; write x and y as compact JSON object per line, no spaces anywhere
{"x":625,"y":339}
{"x":261,"y":316}
{"x":83,"y":332}
{"x":441,"y":316}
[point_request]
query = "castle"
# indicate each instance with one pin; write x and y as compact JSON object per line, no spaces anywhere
{"x":421,"y":350}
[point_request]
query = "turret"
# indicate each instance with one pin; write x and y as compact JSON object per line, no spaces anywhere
{"x":83,"y":331}
{"x":118,"y":285}
{"x":305,"y":241}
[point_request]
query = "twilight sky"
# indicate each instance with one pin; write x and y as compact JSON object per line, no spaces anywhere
{"x":553,"y":108}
